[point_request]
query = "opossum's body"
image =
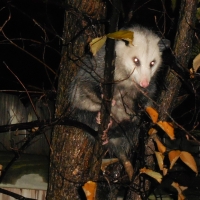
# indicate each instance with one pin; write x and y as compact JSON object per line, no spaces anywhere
{"x":134,"y":84}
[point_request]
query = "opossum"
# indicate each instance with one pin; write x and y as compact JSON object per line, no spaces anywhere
{"x":134,"y":85}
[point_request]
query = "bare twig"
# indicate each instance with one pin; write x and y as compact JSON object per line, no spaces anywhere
{"x":22,"y":49}
{"x":24,"y":89}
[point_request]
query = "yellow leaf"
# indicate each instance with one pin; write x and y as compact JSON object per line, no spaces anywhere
{"x":181,"y":197}
{"x":165,"y":170}
{"x":106,"y":162}
{"x":96,"y":44}
{"x":160,"y":157}
{"x":178,"y":188}
{"x":152,"y":131}
{"x":161,"y":147}
{"x":168,"y":128}
{"x":183,"y":187}
{"x":191,"y":73}
{"x":152,"y":173}
{"x":90,"y":190}
{"x":122,"y":35}
{"x":152,"y":113}
{"x":196,"y":65}
{"x":173,"y":157}
{"x":173,"y":4}
{"x":198,"y":13}
{"x":188,"y":159}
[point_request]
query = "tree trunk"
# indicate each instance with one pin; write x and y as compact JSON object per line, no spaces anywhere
{"x":168,"y":98}
{"x":182,"y":49}
{"x":72,"y":148}
{"x":75,"y":154}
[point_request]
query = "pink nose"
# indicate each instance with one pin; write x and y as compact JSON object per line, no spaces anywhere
{"x":144,"y":83}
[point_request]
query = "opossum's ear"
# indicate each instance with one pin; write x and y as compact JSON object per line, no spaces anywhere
{"x":164,"y":44}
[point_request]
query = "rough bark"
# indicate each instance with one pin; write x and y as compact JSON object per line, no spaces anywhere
{"x":107,"y":87}
{"x":72,"y":148}
{"x":140,"y":187}
{"x":168,"y":98}
{"x":182,"y":49}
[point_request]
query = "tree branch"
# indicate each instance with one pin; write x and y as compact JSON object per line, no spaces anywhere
{"x":182,"y":48}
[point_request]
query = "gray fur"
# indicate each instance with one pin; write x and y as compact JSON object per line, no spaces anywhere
{"x":136,"y":66}
{"x":85,"y":90}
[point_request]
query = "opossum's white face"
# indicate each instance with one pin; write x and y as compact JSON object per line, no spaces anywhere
{"x":138,"y":62}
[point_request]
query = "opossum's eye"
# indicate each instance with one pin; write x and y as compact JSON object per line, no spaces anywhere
{"x":136,"y":61}
{"x":152,"y":63}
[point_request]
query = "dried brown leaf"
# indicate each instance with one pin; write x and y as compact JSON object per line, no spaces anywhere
{"x":152,"y":173}
{"x":89,"y":189}
{"x":165,"y":170}
{"x":168,"y":128}
{"x":152,"y":113}
{"x":196,"y":65}
{"x":160,"y":157}
{"x":173,"y":157}
{"x":161,"y":147}
{"x":189,"y":160}
{"x":152,"y":131}
{"x":106,"y":162}
{"x":178,"y":188}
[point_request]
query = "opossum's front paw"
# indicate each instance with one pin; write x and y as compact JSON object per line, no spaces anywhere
{"x":104,"y":136}
{"x":98,"y":118}
{"x":113,"y":102}
{"x":104,"y":139}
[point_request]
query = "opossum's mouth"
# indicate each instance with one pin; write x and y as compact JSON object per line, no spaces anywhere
{"x":142,"y":86}
{"x":144,"y":83}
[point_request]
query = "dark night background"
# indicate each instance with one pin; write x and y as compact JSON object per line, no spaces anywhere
{"x":42,"y":39}
{"x":36,"y":26}
{"x":36,"y":29}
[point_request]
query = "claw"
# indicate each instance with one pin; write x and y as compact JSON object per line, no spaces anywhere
{"x":129,"y":169}
{"x":104,"y":137}
{"x":98,"y":118}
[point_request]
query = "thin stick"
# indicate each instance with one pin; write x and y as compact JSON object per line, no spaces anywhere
{"x":24,"y":89}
